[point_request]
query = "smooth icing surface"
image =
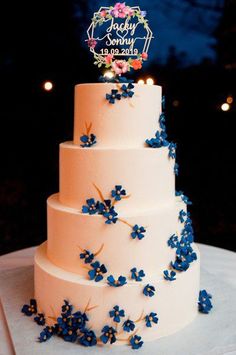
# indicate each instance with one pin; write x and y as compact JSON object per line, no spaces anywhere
{"x":147,"y":175}
{"x":128,"y":123}
{"x":68,"y":230}
{"x":174,"y":302}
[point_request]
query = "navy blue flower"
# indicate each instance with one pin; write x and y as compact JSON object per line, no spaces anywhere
{"x":184,"y":198}
{"x":204,"y":302}
{"x":182,"y":215}
{"x":176,"y":169}
{"x":66,"y":308}
{"x":97,"y":271}
{"x":162,"y":121}
{"x":116,"y":283}
{"x":87,"y":256}
{"x":170,"y":276}
{"x":173,"y":241}
{"x":30,"y":309}
{"x":127,"y":90}
{"x":91,"y":208}
{"x":79,"y":320}
{"x":108,"y":211}
{"x":138,"y":232}
{"x":136,"y":342}
{"x":172,"y":150}
{"x":118,"y":192}
{"x":137,"y":275}
{"x":149,"y":290}
{"x":159,"y":141}
{"x":163,"y":103}
{"x":88,"y":338}
{"x":108,"y":335}
{"x":116,"y":313}
{"x":88,"y":140}
{"x":113,"y":96}
{"x":180,"y":264}
{"x":151,"y":318}
{"x":40,"y":319}
{"x":46,"y":334}
{"x":128,"y":326}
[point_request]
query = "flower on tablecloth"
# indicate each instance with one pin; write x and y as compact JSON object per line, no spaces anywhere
{"x":116,"y":313}
{"x":87,"y":256}
{"x":40,"y":319}
{"x":204,"y":302}
{"x":113,"y":96}
{"x":127,"y":90}
{"x":118,"y":192}
{"x":128,"y":326}
{"x":151,"y":318}
{"x":149,"y":290}
{"x":88,"y":140}
{"x":121,"y":281}
{"x":137,"y":275}
{"x":138,"y":232}
{"x":136,"y":342}
{"x":97,"y":271}
{"x":91,"y":208}
{"x":169,"y":275}
{"x":88,"y":338}
{"x":108,"y":335}
{"x":46,"y":334}
{"x":30,"y":309}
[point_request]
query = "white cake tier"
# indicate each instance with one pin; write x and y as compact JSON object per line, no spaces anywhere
{"x":69,"y":230}
{"x":174,"y":302}
{"x":127,"y":123}
{"x":147,"y":174}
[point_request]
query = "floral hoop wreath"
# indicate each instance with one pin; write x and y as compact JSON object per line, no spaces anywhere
{"x":109,"y":60}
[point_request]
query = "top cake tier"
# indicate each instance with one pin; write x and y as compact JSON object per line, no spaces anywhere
{"x":127,"y":123}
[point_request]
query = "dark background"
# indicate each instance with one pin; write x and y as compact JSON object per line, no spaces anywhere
{"x":45,"y":41}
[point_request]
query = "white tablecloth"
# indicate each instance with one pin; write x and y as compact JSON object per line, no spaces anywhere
{"x":216,"y":261}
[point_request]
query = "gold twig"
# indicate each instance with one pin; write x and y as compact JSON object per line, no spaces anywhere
{"x":140,"y":318}
{"x":86,"y":267}
{"x":87,"y":306}
{"x":123,"y":221}
{"x":99,"y":250}
{"x":99,"y":192}
{"x":88,"y":128}
{"x":91,"y":308}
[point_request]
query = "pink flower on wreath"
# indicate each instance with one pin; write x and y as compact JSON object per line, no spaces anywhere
{"x":109,"y":58}
{"x":120,"y":66}
{"x":92,"y":43}
{"x":103,"y":13}
{"x":120,"y":10}
{"x":144,"y":56}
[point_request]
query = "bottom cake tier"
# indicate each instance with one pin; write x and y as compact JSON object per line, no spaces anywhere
{"x":174,"y":302}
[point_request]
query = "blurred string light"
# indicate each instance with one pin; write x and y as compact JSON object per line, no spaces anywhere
{"x":48,"y":86}
{"x":225,"y":107}
{"x":229,"y":99}
{"x":141,"y":82}
{"x":149,"y":81}
{"x":109,"y":74}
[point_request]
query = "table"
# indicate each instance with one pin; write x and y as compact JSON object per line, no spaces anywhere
{"x":216,"y":261}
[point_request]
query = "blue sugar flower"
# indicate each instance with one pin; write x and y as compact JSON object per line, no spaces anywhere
{"x":40,"y":319}
{"x":127,"y":90}
{"x":88,"y":140}
{"x":87,"y":256}
{"x":138,"y":232}
{"x":182,"y":214}
{"x":184,"y":198}
{"x":170,"y":276}
{"x":176,"y":169}
{"x":30,"y":309}
{"x":151,"y":318}
{"x":204,"y":302}
{"x":143,"y":13}
{"x":46,"y":334}
{"x":116,"y":283}
{"x":128,"y":326}
{"x":180,"y":265}
{"x":79,"y":320}
{"x":159,"y":141}
{"x":66,"y":309}
{"x":118,"y":192}
{"x":116,"y":313}
{"x":69,"y":335}
{"x":97,"y":271}
{"x":172,"y":150}
{"x":137,"y":275}
{"x":162,"y":121}
{"x":88,"y":338}
{"x":113,"y":96}
{"x":136,"y":342}
{"x":108,"y":334}
{"x":163,"y":103}
{"x":108,"y":211}
{"x":91,"y":208}
{"x":149,"y":290}
{"x":173,"y":241}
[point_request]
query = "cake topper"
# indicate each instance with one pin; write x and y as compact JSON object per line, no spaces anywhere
{"x":119,"y":38}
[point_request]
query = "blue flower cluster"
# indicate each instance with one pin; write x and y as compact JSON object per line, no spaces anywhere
{"x":183,"y":216}
{"x":159,"y":141}
{"x":106,"y":207}
{"x":185,"y":254}
{"x":172,"y":150}
{"x":184,"y":198}
{"x":126,"y":91}
{"x":204,"y":302}
{"x":88,"y":140}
